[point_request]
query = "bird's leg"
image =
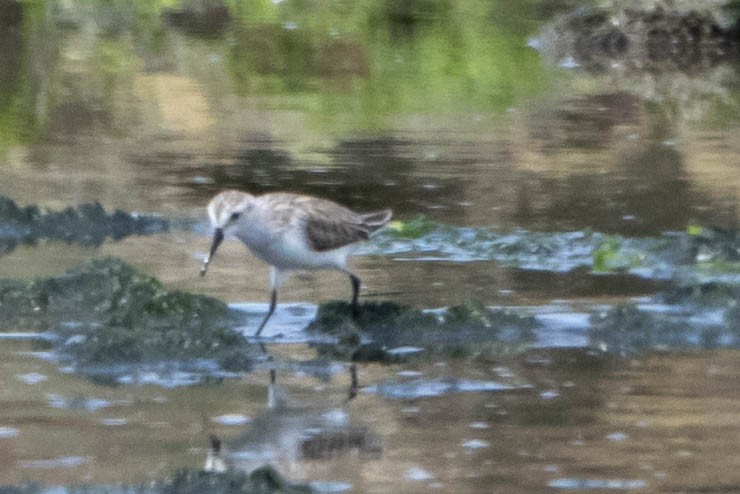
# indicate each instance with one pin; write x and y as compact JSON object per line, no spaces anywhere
{"x":354,"y":386}
{"x":276,"y":278}
{"x":271,"y":403}
{"x":273,"y":303}
{"x":355,"y":293}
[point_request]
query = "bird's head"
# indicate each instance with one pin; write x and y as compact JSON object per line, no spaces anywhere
{"x":225,"y":211}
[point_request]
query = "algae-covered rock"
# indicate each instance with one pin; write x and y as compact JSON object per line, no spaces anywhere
{"x":712,"y":245}
{"x":187,"y":481}
{"x":263,"y":480}
{"x":626,"y":329}
{"x":86,"y":224}
{"x":267,"y":480}
{"x":388,"y":331}
{"x":710,"y":294}
{"x":376,"y":317}
{"x":106,"y":312}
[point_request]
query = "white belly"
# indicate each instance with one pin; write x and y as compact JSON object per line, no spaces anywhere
{"x":291,"y":252}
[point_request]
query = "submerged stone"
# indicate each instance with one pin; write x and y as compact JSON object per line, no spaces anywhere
{"x":380,"y":327}
{"x":87,"y":224}
{"x":106,"y":312}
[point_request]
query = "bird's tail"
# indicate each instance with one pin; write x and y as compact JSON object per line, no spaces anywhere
{"x":377,"y":219}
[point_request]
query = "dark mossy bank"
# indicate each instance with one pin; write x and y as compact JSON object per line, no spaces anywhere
{"x":386,"y":331}
{"x":106,"y":312}
{"x":86,"y":224}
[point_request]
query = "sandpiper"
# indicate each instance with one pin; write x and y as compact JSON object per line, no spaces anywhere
{"x":291,"y":231}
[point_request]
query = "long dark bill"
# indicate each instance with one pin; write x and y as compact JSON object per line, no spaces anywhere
{"x":218,"y":237}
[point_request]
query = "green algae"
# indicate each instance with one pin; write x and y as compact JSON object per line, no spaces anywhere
{"x":415,"y":228}
{"x":377,"y":328}
{"x":610,"y":257}
{"x":106,"y":312}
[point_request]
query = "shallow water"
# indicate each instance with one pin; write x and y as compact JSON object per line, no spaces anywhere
{"x":523,"y":170}
{"x":558,"y":419}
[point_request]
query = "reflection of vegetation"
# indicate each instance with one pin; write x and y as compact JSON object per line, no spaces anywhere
{"x":19,"y":118}
{"x":677,"y":55}
{"x":378,"y":58}
{"x":344,"y":61}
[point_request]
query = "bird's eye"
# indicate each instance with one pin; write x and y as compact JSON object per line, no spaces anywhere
{"x":235,"y":216}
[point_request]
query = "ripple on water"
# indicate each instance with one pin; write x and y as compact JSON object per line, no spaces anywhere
{"x":114,"y":421}
{"x":617,"y":484}
{"x":32,"y":378}
{"x":473,"y":444}
{"x":59,"y":462}
{"x":8,"y":432}
{"x":231,"y":419}
{"x":77,"y":403}
{"x":329,"y":487}
{"x":418,"y":474}
{"x":427,"y":388}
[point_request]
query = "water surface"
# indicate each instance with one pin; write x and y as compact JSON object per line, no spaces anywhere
{"x":430,"y":108}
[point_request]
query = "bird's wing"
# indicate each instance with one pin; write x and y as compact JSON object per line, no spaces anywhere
{"x":330,"y":226}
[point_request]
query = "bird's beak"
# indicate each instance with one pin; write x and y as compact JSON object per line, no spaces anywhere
{"x":218,"y":237}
